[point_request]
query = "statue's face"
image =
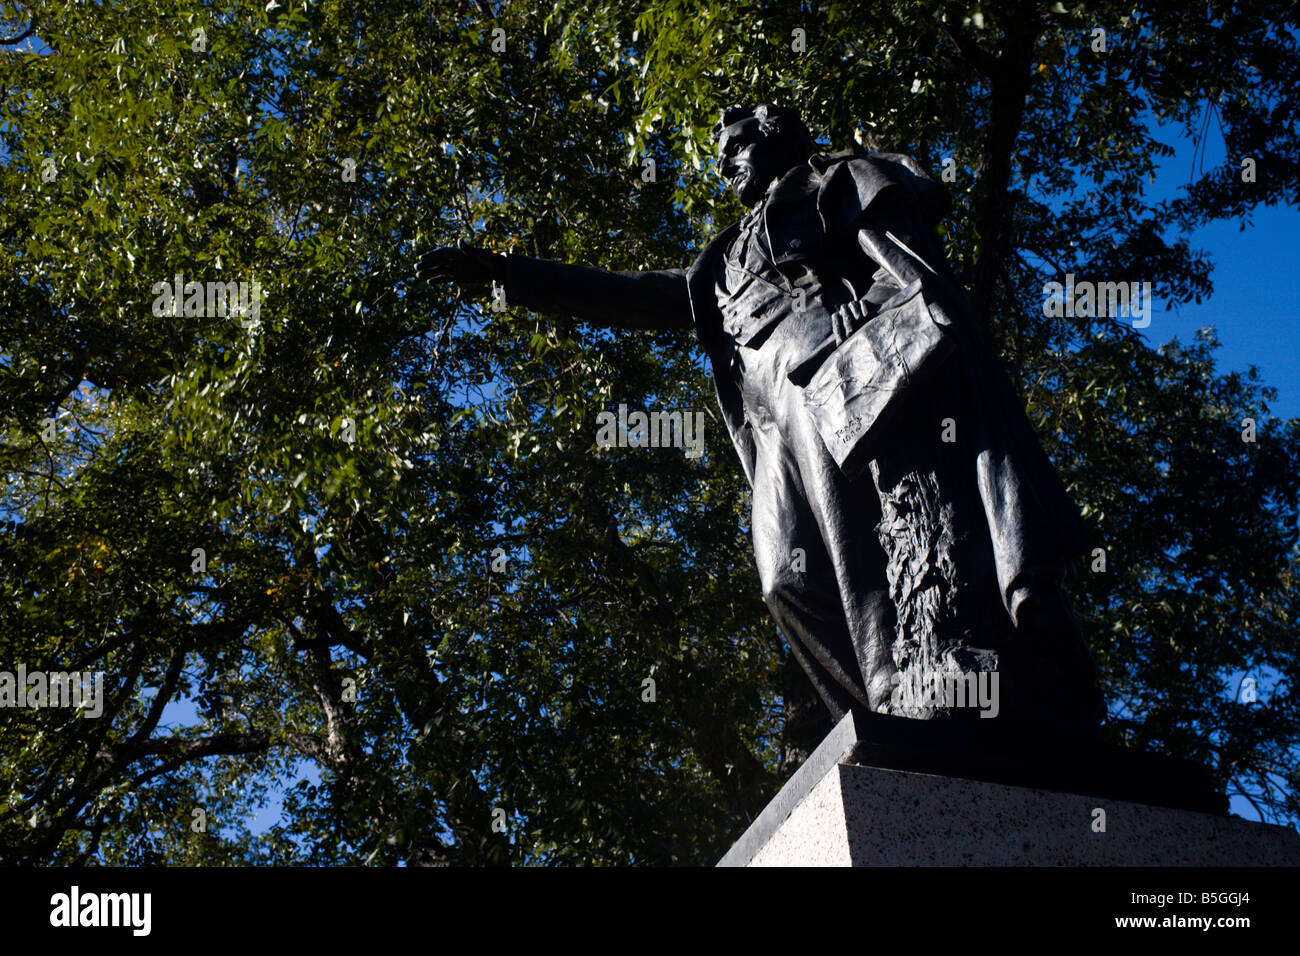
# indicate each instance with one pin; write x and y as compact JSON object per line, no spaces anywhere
{"x":748,"y":160}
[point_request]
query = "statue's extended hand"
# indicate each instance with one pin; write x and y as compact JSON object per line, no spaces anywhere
{"x":462,"y":264}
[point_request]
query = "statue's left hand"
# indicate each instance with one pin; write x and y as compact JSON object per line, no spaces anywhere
{"x":462,"y":264}
{"x":1047,"y":629}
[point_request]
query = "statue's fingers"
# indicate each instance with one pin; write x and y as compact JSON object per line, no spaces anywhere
{"x":432,"y":273}
{"x":441,"y":254}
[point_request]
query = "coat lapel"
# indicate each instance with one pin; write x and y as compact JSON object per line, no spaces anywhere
{"x":791,"y":221}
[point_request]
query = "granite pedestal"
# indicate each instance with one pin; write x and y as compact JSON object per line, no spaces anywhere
{"x":840,"y":810}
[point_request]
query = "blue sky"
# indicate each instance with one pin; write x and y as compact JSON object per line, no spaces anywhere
{"x":1256,"y":302}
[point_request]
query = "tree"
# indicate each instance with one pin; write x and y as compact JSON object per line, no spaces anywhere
{"x":407,"y":581}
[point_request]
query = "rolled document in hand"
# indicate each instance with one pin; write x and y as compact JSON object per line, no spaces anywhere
{"x":850,"y":390}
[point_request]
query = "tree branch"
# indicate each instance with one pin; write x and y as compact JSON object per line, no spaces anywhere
{"x":19,"y":38}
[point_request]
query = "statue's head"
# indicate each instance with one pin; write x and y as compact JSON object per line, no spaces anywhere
{"x":758,"y":144}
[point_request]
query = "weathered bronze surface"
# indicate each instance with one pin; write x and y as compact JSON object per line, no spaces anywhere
{"x":909,"y":531}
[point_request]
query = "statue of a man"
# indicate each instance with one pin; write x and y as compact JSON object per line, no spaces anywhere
{"x":909,"y":531}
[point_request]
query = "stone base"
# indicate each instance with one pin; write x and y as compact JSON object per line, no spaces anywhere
{"x":837,"y":812}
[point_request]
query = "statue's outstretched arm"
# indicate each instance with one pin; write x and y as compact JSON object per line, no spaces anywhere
{"x":627,"y":300}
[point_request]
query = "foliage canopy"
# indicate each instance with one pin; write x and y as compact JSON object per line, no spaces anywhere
{"x":419,"y":580}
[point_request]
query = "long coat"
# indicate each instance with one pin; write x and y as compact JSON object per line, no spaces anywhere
{"x":1033,"y":524}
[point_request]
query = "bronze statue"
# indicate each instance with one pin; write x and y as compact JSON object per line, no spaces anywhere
{"x":909,"y":531}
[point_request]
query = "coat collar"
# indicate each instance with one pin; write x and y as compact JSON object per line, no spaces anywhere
{"x":797,"y":184}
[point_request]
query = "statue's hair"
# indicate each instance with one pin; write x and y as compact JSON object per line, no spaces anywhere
{"x":774,"y":121}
